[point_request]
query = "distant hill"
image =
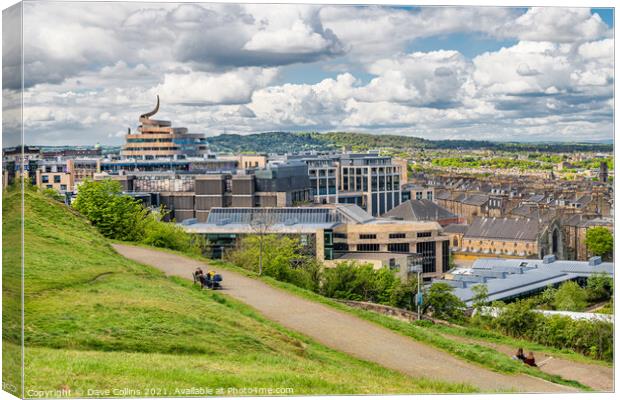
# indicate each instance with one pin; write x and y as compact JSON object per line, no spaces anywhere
{"x":281,"y":142}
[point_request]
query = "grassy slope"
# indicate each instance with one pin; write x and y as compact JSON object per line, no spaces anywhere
{"x":97,"y":320}
{"x":11,"y":295}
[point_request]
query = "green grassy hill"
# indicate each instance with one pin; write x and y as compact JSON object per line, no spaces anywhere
{"x":282,"y":142}
{"x":95,"y":320}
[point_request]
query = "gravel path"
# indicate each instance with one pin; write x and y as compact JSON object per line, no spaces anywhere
{"x":345,"y":332}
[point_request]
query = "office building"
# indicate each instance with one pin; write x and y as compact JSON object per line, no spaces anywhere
{"x":368,"y":180}
{"x":333,"y":233}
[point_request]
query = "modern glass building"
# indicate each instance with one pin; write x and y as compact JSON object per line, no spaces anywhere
{"x":368,"y":180}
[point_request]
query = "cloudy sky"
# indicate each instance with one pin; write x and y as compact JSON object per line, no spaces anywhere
{"x":436,"y":72}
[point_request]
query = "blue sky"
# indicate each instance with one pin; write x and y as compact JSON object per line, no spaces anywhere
{"x":434,"y":72}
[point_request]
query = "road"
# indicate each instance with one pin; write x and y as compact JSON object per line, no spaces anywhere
{"x":345,"y":332}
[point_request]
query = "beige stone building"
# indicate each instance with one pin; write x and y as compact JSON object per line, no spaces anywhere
{"x":381,"y":236}
{"x":247,"y":161}
{"x":507,"y":237}
{"x":335,"y":233}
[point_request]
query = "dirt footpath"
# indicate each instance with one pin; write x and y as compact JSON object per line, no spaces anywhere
{"x":345,"y":332}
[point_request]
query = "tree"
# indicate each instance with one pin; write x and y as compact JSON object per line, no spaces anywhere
{"x":600,"y":242}
{"x":171,"y":236}
{"x":282,"y":259}
{"x":481,"y":295}
{"x":115,"y":215}
{"x":599,"y":287}
{"x":547,"y":297}
{"x":570,"y":297}
{"x":442,"y":303}
{"x":403,"y":293}
{"x":516,"y":319}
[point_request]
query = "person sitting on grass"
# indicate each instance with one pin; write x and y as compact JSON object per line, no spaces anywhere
{"x":519,"y":356}
{"x":530,"y":360}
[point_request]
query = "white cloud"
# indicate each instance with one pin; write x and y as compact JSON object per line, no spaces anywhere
{"x":227,"y":68}
{"x":300,"y":38}
{"x":417,"y":78}
{"x":558,"y":24}
{"x":235,"y":87}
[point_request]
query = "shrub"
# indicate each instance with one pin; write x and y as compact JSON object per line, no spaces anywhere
{"x":516,"y":319}
{"x":599,"y":287}
{"x":591,"y":338}
{"x":570,"y":297}
{"x":170,"y":236}
{"x":443,"y":304}
{"x":122,"y":217}
{"x":115,"y":215}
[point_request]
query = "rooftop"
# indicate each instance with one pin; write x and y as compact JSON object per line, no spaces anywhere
{"x":279,"y":219}
{"x":512,"y":278}
{"x":419,"y":210}
{"x":503,"y":228}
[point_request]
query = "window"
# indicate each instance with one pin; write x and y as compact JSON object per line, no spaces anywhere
{"x":56,"y":178}
{"x":45,"y":178}
{"x":368,"y":236}
{"x":429,"y":196}
{"x":397,"y":235}
{"x":427,"y":251}
{"x":424,"y":234}
{"x":418,"y":195}
{"x":368,"y":247}
{"x":340,"y":235}
{"x":63,"y":187}
{"x":341,"y":247}
{"x":399,"y":247}
{"x":445,"y":255}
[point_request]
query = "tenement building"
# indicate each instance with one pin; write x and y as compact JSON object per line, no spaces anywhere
{"x":158,"y":139}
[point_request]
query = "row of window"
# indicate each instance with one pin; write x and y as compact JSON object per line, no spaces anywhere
{"x":502,"y":251}
{"x":151,"y":148}
{"x":62,"y":187}
{"x":419,"y":195}
{"x":399,"y":235}
{"x":46,"y":178}
{"x":480,"y":242}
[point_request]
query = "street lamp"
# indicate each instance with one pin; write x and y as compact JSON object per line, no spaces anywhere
{"x":259,"y":226}
{"x":417,"y":268}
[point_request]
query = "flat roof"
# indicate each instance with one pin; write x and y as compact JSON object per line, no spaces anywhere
{"x":522,"y":276}
{"x":241,"y":229}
